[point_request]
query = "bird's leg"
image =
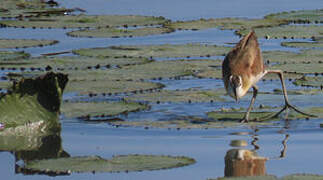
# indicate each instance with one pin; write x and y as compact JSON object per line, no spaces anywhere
{"x":287,"y":104}
{"x":255,"y":92}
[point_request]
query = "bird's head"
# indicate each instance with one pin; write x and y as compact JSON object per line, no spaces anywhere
{"x":235,"y":87}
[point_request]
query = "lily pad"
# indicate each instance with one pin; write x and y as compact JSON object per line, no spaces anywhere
{"x":180,"y":96}
{"x":24,"y":43}
{"x":311,"y":68}
{"x":153,"y":70}
{"x":301,"y":16}
{"x":8,"y":55}
{"x":88,"y":109}
{"x":224,"y":23}
{"x":288,"y":31}
{"x":286,"y":57}
{"x":122,"y":163}
{"x":115,"y":33}
{"x":73,"y":63}
{"x":235,"y":116}
{"x":165,"y":50}
{"x":84,"y":21}
{"x":309,"y":81}
{"x":300,"y":44}
{"x":107,"y":87}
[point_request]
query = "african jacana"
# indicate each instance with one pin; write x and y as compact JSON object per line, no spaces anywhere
{"x":243,"y":67}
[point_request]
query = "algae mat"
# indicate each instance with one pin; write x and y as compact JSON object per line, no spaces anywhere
{"x":121,"y":163}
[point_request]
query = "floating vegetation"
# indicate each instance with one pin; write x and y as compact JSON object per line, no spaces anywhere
{"x":286,"y":57}
{"x":24,"y":43}
{"x":224,"y":23}
{"x":184,"y":123}
{"x":286,"y":32}
{"x":299,"y":17}
{"x":188,"y":96}
{"x":73,"y":63}
{"x":299,"y":44}
{"x":309,"y":81}
{"x":108,"y":87}
{"x":121,"y":163}
{"x":84,"y":21}
{"x":116,"y":33}
{"x":235,"y":116}
{"x":86,"y":110}
{"x":154,"y":70}
{"x":8,"y":55}
{"x":165,"y":50}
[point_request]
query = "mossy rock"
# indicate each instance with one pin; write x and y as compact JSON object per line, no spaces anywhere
{"x":165,"y":50}
{"x":224,"y":23}
{"x":99,"y":109}
{"x":301,"y":16}
{"x":188,"y":96}
{"x":286,"y":57}
{"x":285,"y":32}
{"x":153,"y":70}
{"x":108,"y":87}
{"x":121,"y":163}
{"x":24,"y":43}
{"x":116,"y":33}
{"x":309,"y":81}
{"x":84,"y":21}
{"x":72,"y":63}
{"x":10,"y":55}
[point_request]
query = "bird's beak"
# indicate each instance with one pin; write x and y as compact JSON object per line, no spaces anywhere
{"x":235,"y":95}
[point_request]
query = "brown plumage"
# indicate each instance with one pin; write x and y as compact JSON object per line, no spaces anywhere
{"x":243,"y":67}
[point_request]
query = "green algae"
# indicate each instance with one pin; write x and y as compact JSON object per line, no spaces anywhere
{"x":301,"y":16}
{"x":116,"y":33}
{"x":24,"y":43}
{"x":224,"y":23}
{"x":190,"y":96}
{"x":83,"y":109}
{"x":165,"y":50}
{"x":107,"y":87}
{"x":10,"y":55}
{"x":288,"y":31}
{"x":121,"y":163}
{"x":84,"y":21}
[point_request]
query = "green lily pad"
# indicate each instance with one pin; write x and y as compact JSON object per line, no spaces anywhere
{"x":300,"y":44}
{"x":288,"y":31}
{"x":299,"y":91}
{"x":312,"y":68}
{"x":122,"y":163}
{"x":165,"y":50}
{"x":285,"y":57}
{"x":115,"y":33}
{"x":8,"y":55}
{"x":185,"y":123}
{"x":73,"y":63}
{"x":82,"y":109}
{"x":110,"y":87}
{"x":235,"y":116}
{"x":309,"y":81}
{"x":180,"y":96}
{"x":301,"y":16}
{"x":24,"y":43}
{"x":153,"y":70}
{"x":84,"y":21}
{"x":224,"y":23}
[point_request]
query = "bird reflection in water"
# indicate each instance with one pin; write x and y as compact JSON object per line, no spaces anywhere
{"x":244,"y":162}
